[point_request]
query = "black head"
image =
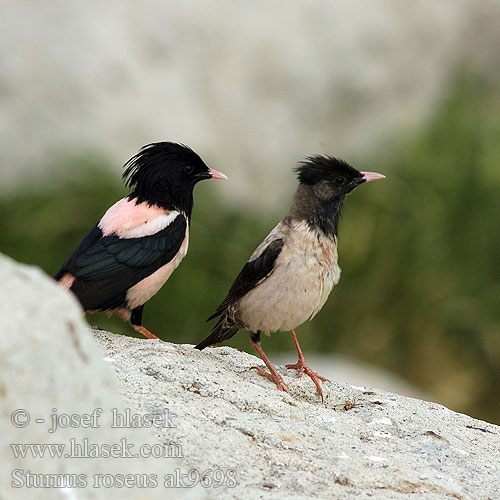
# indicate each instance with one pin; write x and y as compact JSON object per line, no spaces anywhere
{"x":165,"y":173}
{"x":329,"y":177}
{"x":324,"y":183}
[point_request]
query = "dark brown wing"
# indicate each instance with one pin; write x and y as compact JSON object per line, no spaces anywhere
{"x":251,"y":275}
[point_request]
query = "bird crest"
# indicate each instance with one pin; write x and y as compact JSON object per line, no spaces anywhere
{"x":321,"y":168}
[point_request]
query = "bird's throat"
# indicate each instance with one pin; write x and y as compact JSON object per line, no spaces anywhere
{"x":327,"y":216}
{"x":319,"y":214}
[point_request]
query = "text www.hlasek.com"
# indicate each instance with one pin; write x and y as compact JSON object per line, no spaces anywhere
{"x":86,"y":449}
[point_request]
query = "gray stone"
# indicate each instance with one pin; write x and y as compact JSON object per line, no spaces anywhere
{"x":50,"y":365}
{"x":343,"y":368}
{"x":362,"y":442}
{"x":231,"y":430}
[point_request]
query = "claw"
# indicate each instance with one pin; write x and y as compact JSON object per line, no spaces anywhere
{"x":272,"y":375}
{"x":276,"y":378}
{"x":315,"y":377}
{"x":302,"y":367}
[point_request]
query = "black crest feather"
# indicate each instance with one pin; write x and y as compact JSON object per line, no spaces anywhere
{"x":164,"y":173}
{"x":321,"y":168}
{"x":151,"y":163}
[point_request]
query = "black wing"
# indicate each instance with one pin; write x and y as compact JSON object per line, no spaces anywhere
{"x":251,"y":275}
{"x":107,"y":266}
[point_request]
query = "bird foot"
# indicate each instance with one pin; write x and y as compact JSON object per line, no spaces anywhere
{"x":145,"y":332}
{"x":274,"y":377}
{"x":302,"y":368}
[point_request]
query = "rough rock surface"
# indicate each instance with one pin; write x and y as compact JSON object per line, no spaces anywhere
{"x":361,"y":442}
{"x":352,"y":371}
{"x":222,"y":424}
{"x":50,"y":365}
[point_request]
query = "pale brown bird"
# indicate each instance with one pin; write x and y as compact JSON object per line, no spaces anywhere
{"x":291,"y":273}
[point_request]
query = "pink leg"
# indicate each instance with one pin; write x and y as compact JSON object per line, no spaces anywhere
{"x":144,"y":331}
{"x":273,"y":375}
{"x":302,"y":367}
{"x":125,"y":315}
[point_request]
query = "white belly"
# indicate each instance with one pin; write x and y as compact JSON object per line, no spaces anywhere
{"x":141,"y":292}
{"x":297,"y":289}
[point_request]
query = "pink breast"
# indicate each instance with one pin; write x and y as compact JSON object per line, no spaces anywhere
{"x":128,"y":219}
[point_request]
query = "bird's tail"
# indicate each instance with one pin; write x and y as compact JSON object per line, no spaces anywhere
{"x":224,"y":329}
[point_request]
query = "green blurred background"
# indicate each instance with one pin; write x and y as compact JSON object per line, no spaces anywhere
{"x":419,"y":252}
{"x":420,"y":288}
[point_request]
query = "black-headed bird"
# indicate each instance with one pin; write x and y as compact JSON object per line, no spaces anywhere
{"x":132,"y":251}
{"x":289,"y":276}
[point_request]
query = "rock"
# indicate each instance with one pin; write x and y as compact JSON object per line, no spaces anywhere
{"x":50,"y":365}
{"x":362,"y":442}
{"x":343,"y":368}
{"x":217,"y":424}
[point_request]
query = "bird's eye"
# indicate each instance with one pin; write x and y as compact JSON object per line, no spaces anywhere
{"x":340,"y":181}
{"x":188,"y":169}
